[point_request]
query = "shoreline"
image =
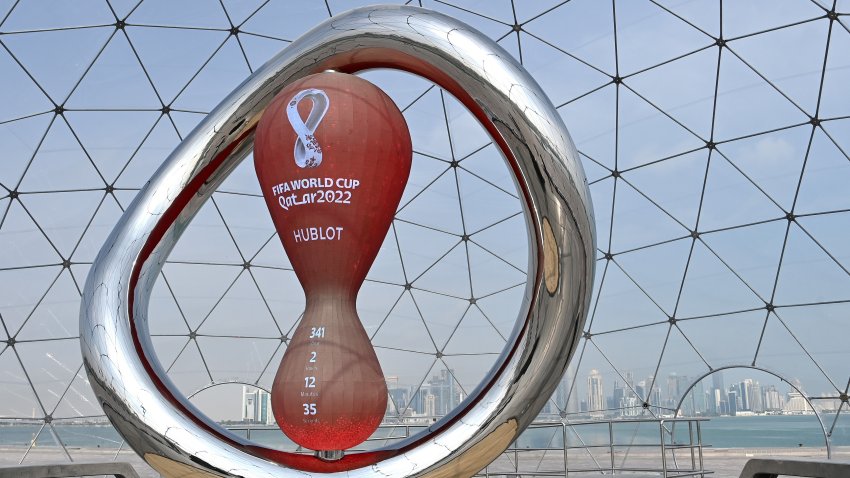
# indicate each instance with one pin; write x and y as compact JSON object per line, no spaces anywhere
{"x":722,"y":462}
{"x":13,"y":453}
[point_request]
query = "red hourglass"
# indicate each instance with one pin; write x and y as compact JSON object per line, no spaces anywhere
{"x":332,"y":154}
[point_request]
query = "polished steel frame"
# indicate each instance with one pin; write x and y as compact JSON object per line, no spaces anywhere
{"x":174,"y":437}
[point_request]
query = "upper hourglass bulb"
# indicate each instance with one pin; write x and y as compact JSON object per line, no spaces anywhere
{"x":332,"y":154}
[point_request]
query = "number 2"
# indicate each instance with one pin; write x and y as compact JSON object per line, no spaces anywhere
{"x":312,"y":357}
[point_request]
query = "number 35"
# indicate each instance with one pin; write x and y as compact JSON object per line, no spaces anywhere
{"x":309,"y":408}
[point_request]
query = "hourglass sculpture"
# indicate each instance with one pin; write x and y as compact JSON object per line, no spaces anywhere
{"x":332,"y":153}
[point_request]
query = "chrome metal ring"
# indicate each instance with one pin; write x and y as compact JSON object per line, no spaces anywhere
{"x":170,"y":434}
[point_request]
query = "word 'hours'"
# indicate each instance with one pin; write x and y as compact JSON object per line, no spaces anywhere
{"x":312,"y":387}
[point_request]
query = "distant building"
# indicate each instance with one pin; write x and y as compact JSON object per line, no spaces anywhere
{"x":416,"y":401}
{"x":717,"y":381}
{"x":797,"y":404}
{"x":595,"y":394}
{"x":630,"y":407}
{"x":640,"y":390}
{"x":714,"y":402}
{"x":745,"y":392}
{"x":689,"y":401}
{"x":444,"y":389}
{"x":733,"y":402}
{"x":827,"y":402}
{"x":430,"y":405}
{"x":617,"y":400}
{"x":566,"y":397}
{"x":256,"y":406}
{"x":717,"y":397}
{"x":773,"y":400}
{"x":399,"y":397}
{"x":655,"y":400}
{"x":450,"y":391}
{"x":757,"y":399}
{"x":652,"y":395}
{"x":672,"y":396}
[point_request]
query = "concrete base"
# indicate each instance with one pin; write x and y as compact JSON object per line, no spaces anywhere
{"x":774,"y":467}
{"x":117,"y":469}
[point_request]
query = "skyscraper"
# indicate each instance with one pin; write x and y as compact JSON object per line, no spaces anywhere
{"x":757,"y":399}
{"x":797,"y":403}
{"x":256,"y":406}
{"x":567,"y":394}
{"x":733,"y":403}
{"x":617,"y":400}
{"x":640,"y":390}
{"x":700,"y":399}
{"x":717,"y":380}
{"x":672,"y":393}
{"x":446,"y":393}
{"x":653,"y":395}
{"x":430,"y":405}
{"x":714,"y":408}
{"x":745,"y":388}
{"x":773,"y":400}
{"x":446,"y":390}
{"x":595,"y":394}
{"x":399,"y":396}
{"x":249,"y":406}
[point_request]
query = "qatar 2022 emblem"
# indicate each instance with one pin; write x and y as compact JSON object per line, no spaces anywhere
{"x":332,"y":154}
{"x":308,"y":153}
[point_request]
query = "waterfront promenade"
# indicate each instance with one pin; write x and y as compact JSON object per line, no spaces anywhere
{"x":724,"y":462}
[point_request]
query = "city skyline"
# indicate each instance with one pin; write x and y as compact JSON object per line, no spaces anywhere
{"x":709,"y":397}
{"x":700,"y":264}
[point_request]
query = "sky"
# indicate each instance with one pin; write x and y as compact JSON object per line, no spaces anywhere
{"x":766,"y":160}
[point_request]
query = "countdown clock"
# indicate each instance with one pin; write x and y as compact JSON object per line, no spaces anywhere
{"x":173,"y":436}
{"x":332,"y":153}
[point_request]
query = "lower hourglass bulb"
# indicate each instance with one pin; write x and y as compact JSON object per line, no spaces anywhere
{"x":332,"y":154}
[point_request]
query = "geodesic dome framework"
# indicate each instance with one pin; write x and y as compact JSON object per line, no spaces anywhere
{"x":714,"y":137}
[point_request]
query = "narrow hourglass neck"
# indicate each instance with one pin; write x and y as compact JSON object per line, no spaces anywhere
{"x":331,"y":297}
{"x":321,"y":275}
